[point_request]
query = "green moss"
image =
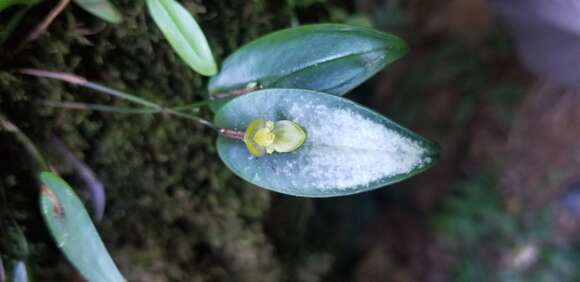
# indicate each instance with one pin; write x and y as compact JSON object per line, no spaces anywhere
{"x":174,"y":213}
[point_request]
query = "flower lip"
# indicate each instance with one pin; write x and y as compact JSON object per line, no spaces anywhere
{"x":263,"y":137}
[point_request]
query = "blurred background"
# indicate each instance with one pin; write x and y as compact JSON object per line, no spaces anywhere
{"x":495,"y":83}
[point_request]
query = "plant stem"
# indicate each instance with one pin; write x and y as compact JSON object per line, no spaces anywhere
{"x":232,"y":134}
{"x":236,"y":92}
{"x":25,"y":141}
{"x":46,"y":22}
{"x":81,"y":81}
{"x":120,"y":110}
{"x":192,"y":106}
{"x":97,"y":107}
{"x":122,"y":95}
{"x":190,"y":117}
{"x":78,"y":80}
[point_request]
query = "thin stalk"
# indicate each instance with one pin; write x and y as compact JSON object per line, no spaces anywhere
{"x":25,"y":141}
{"x":122,"y":95}
{"x":81,"y":81}
{"x":97,"y":107}
{"x":236,"y":92}
{"x":122,"y":110}
{"x":190,"y":117}
{"x":192,"y":106}
{"x":46,"y":22}
{"x":232,"y":134}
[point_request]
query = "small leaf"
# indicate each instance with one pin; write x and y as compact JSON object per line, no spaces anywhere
{"x":74,"y":232}
{"x":330,"y":58}
{"x":7,"y":3}
{"x":348,"y":148}
{"x":102,"y":9}
{"x":183,"y":34}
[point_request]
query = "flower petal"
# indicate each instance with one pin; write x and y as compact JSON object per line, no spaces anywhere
{"x":264,"y":137}
{"x":253,"y":126}
{"x":254,"y":149}
{"x":289,"y":136}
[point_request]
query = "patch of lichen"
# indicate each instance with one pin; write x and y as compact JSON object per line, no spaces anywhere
{"x":174,"y":213}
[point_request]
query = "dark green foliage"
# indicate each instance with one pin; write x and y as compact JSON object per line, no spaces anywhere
{"x":329,"y":58}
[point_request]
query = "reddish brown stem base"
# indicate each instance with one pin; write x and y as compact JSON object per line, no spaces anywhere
{"x":232,"y":134}
{"x":235,"y":93}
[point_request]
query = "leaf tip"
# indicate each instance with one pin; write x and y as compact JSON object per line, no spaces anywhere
{"x":209,"y":70}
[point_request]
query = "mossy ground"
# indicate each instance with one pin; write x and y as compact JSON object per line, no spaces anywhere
{"x":174,"y":212}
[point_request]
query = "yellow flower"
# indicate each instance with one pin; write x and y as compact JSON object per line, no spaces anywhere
{"x":263,"y":137}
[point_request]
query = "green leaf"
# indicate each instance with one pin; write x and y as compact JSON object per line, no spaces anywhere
{"x":348,"y":149}
{"x":7,"y":3}
{"x":74,"y":232}
{"x":183,"y":34}
{"x":330,"y":58}
{"x":102,"y":9}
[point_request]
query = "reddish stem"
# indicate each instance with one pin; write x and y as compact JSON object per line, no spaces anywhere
{"x":237,"y":92}
{"x":232,"y":134}
{"x":47,"y":21}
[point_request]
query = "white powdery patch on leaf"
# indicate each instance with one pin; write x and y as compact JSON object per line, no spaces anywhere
{"x":344,"y":149}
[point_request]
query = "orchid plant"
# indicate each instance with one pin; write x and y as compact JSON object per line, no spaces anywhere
{"x":279,"y":116}
{"x":281,"y":121}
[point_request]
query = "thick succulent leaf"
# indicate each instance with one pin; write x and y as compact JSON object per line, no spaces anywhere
{"x":183,"y":34}
{"x":102,"y":9}
{"x":7,"y":3}
{"x":330,"y":58}
{"x":348,"y":148}
{"x":74,"y":232}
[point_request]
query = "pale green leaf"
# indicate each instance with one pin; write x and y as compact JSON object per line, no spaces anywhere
{"x":330,"y":58}
{"x":74,"y":232}
{"x":102,"y":9}
{"x":183,"y":34}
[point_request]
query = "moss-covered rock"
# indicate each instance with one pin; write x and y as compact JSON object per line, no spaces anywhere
{"x":174,"y":212}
